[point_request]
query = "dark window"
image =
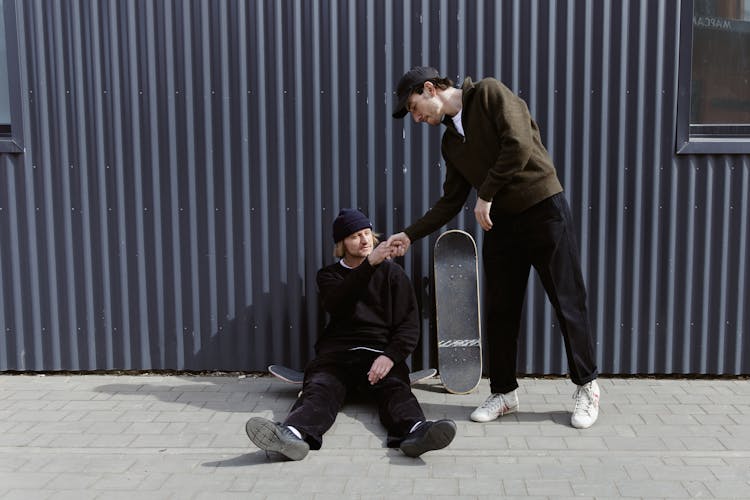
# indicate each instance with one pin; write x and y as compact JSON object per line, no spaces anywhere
{"x":4,"y":83}
{"x":10,"y":83}
{"x":714,"y":103}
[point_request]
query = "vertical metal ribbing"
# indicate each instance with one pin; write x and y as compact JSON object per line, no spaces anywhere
{"x":369,"y":53}
{"x":706,"y":276}
{"x":635,"y":212}
{"x":102,"y":167}
{"x":654,"y":329}
{"x":132,"y":99}
{"x":336,"y":125}
{"x":67,"y":326}
{"x":187,"y":36}
{"x":721,"y":330}
{"x":743,"y":258}
{"x":278,"y":217}
{"x":620,"y":204}
{"x":126,"y":234}
{"x":227,"y":303}
{"x":176,"y":246}
{"x":157,"y":243}
{"x":116,"y":100}
{"x":86,"y":206}
{"x":687,"y":295}
{"x":245,"y":155}
{"x":209,"y":167}
{"x":247,"y":342}
{"x":49,"y":332}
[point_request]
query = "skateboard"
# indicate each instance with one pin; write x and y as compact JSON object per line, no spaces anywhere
{"x":457,"y":312}
{"x":295,"y":376}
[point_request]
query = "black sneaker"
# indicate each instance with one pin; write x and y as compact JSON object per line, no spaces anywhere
{"x":428,"y":436}
{"x":270,"y":436}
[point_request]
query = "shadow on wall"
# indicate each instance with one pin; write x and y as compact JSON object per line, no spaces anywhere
{"x":273,"y":330}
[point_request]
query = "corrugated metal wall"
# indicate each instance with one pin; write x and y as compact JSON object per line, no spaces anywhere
{"x":184,"y":160}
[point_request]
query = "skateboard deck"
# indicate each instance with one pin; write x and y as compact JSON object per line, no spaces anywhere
{"x":457,"y":312}
{"x":295,"y":376}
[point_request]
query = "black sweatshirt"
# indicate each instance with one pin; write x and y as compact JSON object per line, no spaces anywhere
{"x":373,"y":307}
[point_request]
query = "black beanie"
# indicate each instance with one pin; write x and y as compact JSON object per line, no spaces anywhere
{"x":349,"y":221}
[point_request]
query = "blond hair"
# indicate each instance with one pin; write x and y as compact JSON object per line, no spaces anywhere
{"x":338,"y":248}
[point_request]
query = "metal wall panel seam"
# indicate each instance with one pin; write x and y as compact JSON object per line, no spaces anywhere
{"x":636,"y":214}
{"x":229,"y":307}
{"x":103,"y":164}
{"x":189,"y":147}
{"x":5,"y":166}
{"x":315,"y":92}
{"x":587,"y":98}
{"x":67,"y":322}
{"x":247,"y":340}
{"x":277,"y":218}
{"x":537,"y":320}
{"x":302,"y":159}
{"x":336,"y":128}
{"x":601,"y":330}
{"x":84,"y":162}
{"x":671,"y":313}
{"x":18,"y":325}
{"x":117,"y":99}
{"x":743,"y":258}
{"x":689,"y":266}
{"x":656,"y":211}
{"x":244,"y":91}
{"x":371,"y":100}
{"x":6,"y":331}
{"x":585,"y":167}
{"x":152,"y":91}
{"x":707,"y":239}
{"x":174,"y":198}
{"x":620,"y":203}
{"x":143,"y":358}
{"x":352,"y":104}
{"x":720,"y":360}
{"x":385,"y":111}
{"x":675,"y":164}
{"x":262,"y":156}
{"x":210,"y":166}
{"x":51,"y":331}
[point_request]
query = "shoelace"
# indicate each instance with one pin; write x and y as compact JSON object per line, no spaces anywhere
{"x":584,"y":399}
{"x":494,"y":403}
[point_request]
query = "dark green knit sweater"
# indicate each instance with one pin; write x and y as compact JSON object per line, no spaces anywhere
{"x":501,"y":156}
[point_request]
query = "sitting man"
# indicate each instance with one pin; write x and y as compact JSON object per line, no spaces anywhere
{"x":373,"y":327}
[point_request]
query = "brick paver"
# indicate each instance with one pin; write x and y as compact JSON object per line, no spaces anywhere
{"x":161,"y":437}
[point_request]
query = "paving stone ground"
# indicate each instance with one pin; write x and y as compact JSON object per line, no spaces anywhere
{"x":182,"y":437}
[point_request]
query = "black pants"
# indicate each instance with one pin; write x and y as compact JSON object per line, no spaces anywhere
{"x":543,"y":237}
{"x":328,"y":379}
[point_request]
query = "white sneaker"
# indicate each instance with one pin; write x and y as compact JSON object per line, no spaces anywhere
{"x":495,"y":406}
{"x":587,"y":405}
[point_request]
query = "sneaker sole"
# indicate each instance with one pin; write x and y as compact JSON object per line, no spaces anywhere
{"x":437,"y":437}
{"x":266,"y":435}
{"x":478,"y":419}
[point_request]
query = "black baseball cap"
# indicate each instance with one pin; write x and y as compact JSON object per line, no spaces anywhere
{"x":412,"y":79}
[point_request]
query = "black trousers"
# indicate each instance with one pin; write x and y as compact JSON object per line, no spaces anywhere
{"x":328,"y":380}
{"x":542,"y":237}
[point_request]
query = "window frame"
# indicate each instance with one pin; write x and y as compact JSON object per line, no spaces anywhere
{"x":711,"y":143}
{"x":14,"y":142}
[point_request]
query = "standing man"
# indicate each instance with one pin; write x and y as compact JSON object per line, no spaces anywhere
{"x":373,"y":327}
{"x":492,"y":144}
